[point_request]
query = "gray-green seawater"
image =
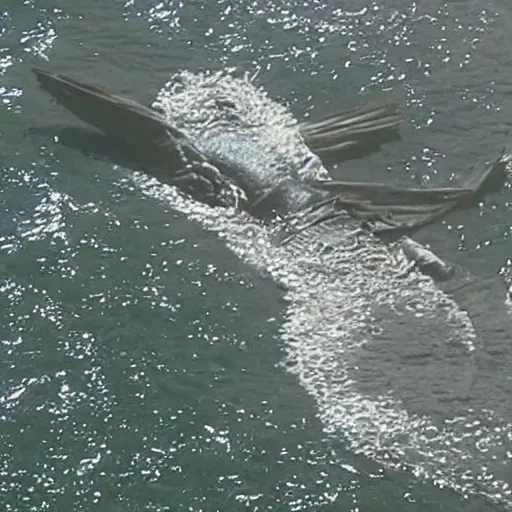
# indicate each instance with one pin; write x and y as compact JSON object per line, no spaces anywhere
{"x":141,"y":360}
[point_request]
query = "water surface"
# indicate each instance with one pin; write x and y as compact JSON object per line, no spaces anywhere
{"x":142,"y":360}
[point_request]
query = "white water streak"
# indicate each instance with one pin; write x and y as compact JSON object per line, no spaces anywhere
{"x":335,"y":303}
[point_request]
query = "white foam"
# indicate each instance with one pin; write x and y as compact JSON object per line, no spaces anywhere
{"x":336,"y":304}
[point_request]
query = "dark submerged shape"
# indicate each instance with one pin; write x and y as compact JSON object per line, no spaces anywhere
{"x":385,"y":209}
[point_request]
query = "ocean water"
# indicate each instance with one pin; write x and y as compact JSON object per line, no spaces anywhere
{"x":147,"y":366}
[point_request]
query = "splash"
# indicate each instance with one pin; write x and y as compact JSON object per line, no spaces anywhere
{"x":341,"y":297}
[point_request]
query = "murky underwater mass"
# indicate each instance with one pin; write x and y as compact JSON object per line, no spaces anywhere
{"x":166,"y":346}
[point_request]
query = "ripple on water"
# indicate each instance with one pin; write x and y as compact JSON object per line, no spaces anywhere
{"x":89,"y":388}
{"x":116,"y":390}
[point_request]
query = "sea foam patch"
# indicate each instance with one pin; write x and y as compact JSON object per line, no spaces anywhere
{"x":337,"y":303}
